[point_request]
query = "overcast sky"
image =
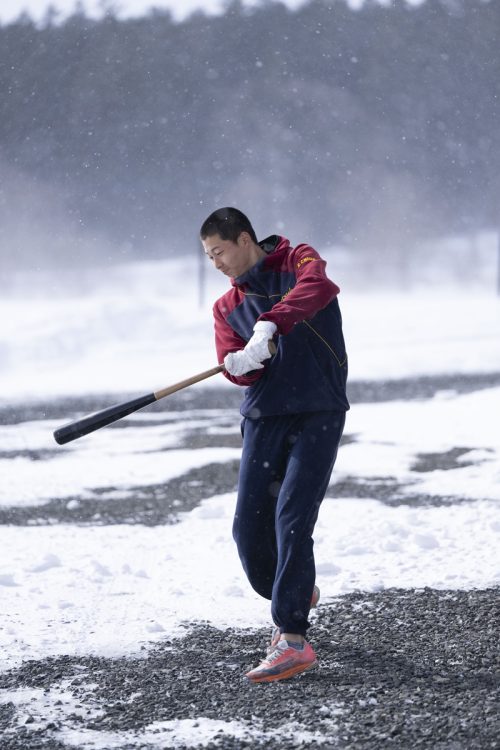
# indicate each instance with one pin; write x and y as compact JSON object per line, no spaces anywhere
{"x":10,"y":9}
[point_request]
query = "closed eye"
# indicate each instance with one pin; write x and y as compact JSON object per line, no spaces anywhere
{"x":215,"y":253}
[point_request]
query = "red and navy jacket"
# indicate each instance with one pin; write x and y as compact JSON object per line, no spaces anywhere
{"x":288,"y":286}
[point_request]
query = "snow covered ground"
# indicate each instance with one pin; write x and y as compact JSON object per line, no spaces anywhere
{"x":110,"y":590}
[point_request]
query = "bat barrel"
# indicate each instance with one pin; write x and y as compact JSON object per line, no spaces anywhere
{"x":80,"y":427}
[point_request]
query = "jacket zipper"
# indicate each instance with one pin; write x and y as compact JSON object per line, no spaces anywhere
{"x":340,"y":363}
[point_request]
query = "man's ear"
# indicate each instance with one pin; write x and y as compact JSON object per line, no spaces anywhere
{"x":244,"y":239}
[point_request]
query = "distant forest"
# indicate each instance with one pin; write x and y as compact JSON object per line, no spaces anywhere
{"x":371,"y":128}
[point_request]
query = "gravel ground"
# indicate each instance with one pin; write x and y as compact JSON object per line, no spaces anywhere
{"x":397,"y":668}
{"x":401,"y":669}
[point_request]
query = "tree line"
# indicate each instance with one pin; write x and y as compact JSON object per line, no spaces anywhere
{"x":371,"y":128}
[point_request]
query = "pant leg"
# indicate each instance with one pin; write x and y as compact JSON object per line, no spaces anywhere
{"x":309,"y":466}
{"x":262,"y":468}
{"x":284,"y":474}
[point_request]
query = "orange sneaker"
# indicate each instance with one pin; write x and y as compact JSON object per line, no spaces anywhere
{"x":283,"y":662}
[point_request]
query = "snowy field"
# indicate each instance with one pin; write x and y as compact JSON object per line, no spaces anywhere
{"x":138,"y":327}
{"x":116,"y":590}
{"x":69,"y":589}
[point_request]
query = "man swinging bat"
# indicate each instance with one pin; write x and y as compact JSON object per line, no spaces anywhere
{"x":293,"y":416}
{"x":278,"y":331}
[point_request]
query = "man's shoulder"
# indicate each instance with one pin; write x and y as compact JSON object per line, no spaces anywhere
{"x":288,"y":257}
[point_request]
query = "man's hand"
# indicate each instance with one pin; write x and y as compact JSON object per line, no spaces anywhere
{"x":254,"y":353}
{"x":239,"y":363}
{"x":258,"y":346}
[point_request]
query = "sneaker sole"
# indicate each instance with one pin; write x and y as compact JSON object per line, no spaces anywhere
{"x":283,"y":675}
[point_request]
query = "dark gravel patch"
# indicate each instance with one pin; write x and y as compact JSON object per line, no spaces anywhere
{"x":411,"y":389}
{"x":359,"y":391}
{"x":385,"y":489}
{"x":68,"y":408}
{"x":391,"y":492}
{"x":158,"y":504}
{"x":451,"y":459}
{"x":190,"y":439}
{"x":151,"y":505}
{"x":32,"y":454}
{"x":402,"y":669}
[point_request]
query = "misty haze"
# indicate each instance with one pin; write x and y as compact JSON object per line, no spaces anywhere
{"x":376,"y":130}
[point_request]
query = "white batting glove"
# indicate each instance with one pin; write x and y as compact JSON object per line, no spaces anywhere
{"x":254,"y":353}
{"x":239,"y":363}
{"x":258,"y":346}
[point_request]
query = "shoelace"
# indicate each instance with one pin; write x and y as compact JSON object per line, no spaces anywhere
{"x":272,"y":645}
{"x":276,"y":652}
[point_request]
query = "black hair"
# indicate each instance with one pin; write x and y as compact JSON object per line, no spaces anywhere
{"x":228,"y":223}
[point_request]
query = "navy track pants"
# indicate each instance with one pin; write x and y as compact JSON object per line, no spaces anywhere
{"x":285,"y":470}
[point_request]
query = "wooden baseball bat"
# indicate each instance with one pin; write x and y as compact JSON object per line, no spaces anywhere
{"x":98,"y":419}
{"x":92,"y":422}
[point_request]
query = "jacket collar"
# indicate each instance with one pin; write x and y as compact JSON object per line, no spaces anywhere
{"x":269,"y":245}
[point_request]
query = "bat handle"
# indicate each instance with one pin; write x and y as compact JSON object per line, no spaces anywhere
{"x":202,"y":376}
{"x":189,"y":381}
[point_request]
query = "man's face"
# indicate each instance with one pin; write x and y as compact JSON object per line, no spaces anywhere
{"x":230,"y":258}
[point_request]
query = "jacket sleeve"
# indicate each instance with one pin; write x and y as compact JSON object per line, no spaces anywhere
{"x":312,"y":292}
{"x":227,"y":340}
